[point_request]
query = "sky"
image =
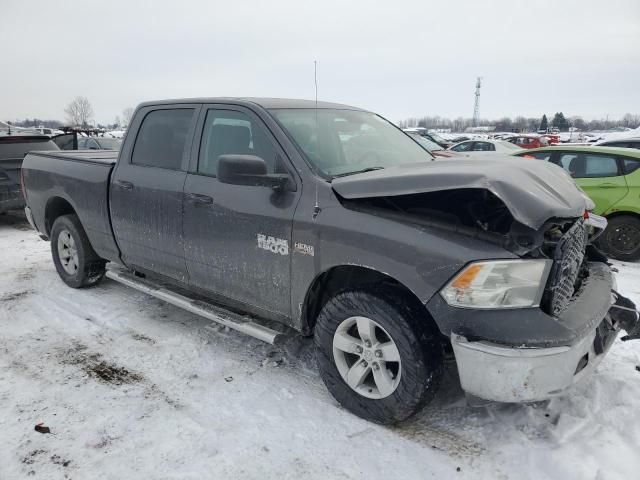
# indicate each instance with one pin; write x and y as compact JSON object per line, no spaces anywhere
{"x":398,"y":58}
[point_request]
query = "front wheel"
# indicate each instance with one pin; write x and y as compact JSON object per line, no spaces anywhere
{"x":621,"y":238}
{"x":378,"y":357}
{"x":75,"y":259}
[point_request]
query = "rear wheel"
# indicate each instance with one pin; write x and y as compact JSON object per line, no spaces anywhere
{"x":380,"y":358}
{"x":76,"y":262}
{"x":621,"y":239}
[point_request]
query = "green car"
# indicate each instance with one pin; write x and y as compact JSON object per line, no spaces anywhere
{"x":611,"y":177}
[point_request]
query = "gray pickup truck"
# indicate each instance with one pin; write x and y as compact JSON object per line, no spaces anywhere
{"x":328,"y":220}
{"x":13,"y":148}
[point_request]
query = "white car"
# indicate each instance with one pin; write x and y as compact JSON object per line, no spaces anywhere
{"x":49,"y":132}
{"x":630,"y":142}
{"x":484,"y":146}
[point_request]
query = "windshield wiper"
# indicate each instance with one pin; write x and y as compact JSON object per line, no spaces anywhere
{"x":368,"y":169}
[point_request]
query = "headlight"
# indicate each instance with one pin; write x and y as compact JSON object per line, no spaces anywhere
{"x":498,"y":284}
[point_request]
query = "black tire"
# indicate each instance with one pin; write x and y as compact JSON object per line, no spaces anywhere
{"x":621,"y":238}
{"x":417,"y":340}
{"x":90,"y":267}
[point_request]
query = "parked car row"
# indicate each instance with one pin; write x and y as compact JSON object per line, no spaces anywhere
{"x":610,"y":176}
{"x":475,"y":146}
{"x":607,"y":172}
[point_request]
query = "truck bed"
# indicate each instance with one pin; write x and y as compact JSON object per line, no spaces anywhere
{"x":76,"y":179}
{"x":106,"y":157}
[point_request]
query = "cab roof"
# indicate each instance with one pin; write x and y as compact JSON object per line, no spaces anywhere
{"x":266,"y":103}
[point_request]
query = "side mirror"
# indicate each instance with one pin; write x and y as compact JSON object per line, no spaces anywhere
{"x":248,"y":170}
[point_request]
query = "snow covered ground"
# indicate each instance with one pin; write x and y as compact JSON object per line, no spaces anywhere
{"x":136,"y":389}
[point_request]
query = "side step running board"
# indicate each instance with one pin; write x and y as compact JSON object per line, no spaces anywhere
{"x":246,"y":325}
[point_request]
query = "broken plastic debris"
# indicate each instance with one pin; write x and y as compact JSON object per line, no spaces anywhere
{"x":41,"y":428}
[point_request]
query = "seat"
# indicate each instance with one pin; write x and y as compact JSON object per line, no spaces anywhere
{"x":577,"y":166}
{"x":225,"y":140}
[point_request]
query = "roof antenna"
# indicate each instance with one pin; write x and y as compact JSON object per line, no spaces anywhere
{"x":316,"y":207}
{"x":315,"y":79}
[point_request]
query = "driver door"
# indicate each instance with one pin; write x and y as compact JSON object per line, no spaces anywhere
{"x":237,"y":238}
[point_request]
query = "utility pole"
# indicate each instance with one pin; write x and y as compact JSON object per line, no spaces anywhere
{"x":476,"y":106}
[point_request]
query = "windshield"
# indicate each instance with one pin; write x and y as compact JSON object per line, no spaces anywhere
{"x":437,"y":138}
{"x":341,"y":142}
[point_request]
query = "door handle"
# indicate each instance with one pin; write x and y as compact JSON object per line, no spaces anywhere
{"x":197,"y":199}
{"x":608,"y":185}
{"x":124,"y":185}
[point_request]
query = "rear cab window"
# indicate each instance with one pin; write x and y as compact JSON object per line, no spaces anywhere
{"x":162,"y":138}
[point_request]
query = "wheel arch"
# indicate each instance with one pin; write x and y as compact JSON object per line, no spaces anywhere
{"x":348,"y":277}
{"x":56,"y":207}
{"x":622,"y":213}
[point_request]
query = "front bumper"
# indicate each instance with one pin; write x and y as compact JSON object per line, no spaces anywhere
{"x":502,"y":374}
{"x":527,"y":355}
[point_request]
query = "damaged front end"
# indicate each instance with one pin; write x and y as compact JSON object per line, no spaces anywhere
{"x":508,"y":351}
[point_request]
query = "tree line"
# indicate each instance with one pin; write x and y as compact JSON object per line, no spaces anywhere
{"x":522,"y":124}
{"x":78,"y":113}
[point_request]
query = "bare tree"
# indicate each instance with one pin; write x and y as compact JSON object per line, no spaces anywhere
{"x":127,"y":113}
{"x":79,"y":111}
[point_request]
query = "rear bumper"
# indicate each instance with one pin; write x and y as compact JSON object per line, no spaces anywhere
{"x":10,"y":197}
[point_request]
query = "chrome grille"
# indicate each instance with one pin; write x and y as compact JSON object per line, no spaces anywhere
{"x":568,"y":257}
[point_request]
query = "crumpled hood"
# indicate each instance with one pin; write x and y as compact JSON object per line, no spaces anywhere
{"x":534,"y":191}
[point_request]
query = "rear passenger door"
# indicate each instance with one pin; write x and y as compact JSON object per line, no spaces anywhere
{"x":146,"y":190}
{"x":599,"y":175}
{"x":238,"y":237}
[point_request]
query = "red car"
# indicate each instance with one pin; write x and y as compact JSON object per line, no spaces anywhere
{"x":552,"y":138}
{"x":530,"y":141}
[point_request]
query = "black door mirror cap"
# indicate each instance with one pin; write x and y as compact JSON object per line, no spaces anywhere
{"x":248,"y":170}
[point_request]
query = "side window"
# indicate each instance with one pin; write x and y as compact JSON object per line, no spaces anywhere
{"x":231,"y":132}
{"x":82,"y":143}
{"x":92,"y":144}
{"x":483,"y":147}
{"x":631,"y":165}
{"x":600,"y":166}
{"x":462,"y":147}
{"x":162,"y":138}
{"x":541,"y":155}
{"x":589,"y":165}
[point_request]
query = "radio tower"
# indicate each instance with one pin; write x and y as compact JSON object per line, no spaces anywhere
{"x":476,"y":105}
